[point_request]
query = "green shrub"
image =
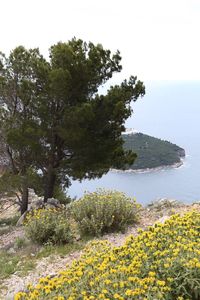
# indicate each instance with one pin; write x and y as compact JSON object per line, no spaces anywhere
{"x":104,"y":211}
{"x":20,"y":242}
{"x":48,"y":225}
{"x":11,"y":221}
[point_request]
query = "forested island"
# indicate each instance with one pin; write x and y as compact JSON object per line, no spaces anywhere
{"x":152,"y":152}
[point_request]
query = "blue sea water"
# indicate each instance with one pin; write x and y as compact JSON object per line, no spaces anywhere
{"x":170,"y":111}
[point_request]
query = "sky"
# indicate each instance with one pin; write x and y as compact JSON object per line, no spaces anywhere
{"x":158,"y":39}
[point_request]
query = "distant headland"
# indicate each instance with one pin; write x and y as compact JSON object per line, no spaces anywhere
{"x":152,"y":153}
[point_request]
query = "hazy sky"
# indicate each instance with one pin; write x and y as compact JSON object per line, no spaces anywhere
{"x":158,"y":39}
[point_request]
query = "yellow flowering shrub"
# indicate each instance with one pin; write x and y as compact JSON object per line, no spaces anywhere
{"x":48,"y":225}
{"x":104,"y":211}
{"x":162,"y":262}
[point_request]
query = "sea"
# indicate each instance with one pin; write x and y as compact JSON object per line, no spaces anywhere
{"x":170,"y":110}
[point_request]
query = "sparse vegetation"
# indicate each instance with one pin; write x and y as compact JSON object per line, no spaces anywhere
{"x":162,"y":262}
{"x":11,"y":263}
{"x":11,"y":221}
{"x":20,"y":242}
{"x":5,"y":230}
{"x":173,"y":241}
{"x":7,"y":224}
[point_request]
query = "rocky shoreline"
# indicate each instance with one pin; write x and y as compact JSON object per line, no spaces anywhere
{"x":148,"y":170}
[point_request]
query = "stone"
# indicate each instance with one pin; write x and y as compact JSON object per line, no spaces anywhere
{"x":36,"y":204}
{"x":163,"y":219}
{"x":10,"y":296}
{"x":164,"y":203}
{"x":53,"y":202}
{"x":11,"y":251}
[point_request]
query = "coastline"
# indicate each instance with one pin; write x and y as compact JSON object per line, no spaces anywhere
{"x":149,"y":170}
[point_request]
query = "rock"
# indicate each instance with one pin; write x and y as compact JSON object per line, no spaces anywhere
{"x":33,"y":196}
{"x":36,"y":204}
{"x":52,"y":275}
{"x":17,"y":273}
{"x":34,"y":200}
{"x":10,"y":296}
{"x":53,"y":202}
{"x":164,"y":203}
{"x":78,"y":238}
{"x":163,"y":219}
{"x":11,"y":251}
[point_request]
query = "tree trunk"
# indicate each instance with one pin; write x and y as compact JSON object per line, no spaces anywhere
{"x":24,"y":204}
{"x":49,"y":184}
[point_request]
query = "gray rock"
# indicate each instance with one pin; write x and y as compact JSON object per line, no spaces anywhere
{"x":11,"y":251}
{"x":163,"y":219}
{"x":10,"y":296}
{"x":33,"y":197}
{"x":53,"y":202}
{"x":36,"y":204}
{"x":164,"y":203}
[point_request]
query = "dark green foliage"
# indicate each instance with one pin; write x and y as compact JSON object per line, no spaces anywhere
{"x":18,"y":141}
{"x":61,"y":195}
{"x":53,"y":120}
{"x":151,"y":152}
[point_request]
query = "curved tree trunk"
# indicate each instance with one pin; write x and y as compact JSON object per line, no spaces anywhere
{"x":24,"y":204}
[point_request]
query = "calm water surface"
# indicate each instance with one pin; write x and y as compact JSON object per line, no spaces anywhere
{"x":170,"y":111}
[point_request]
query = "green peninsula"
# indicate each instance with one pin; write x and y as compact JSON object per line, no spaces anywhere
{"x":152,"y":152}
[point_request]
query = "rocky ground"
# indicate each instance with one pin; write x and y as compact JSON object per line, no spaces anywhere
{"x":158,"y":212}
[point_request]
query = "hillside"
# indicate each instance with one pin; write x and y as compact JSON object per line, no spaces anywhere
{"x":28,"y":263}
{"x":152,"y":152}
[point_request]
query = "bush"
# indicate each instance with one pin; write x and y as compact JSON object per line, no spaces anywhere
{"x":162,"y":262}
{"x":104,"y":211}
{"x":48,"y":225}
{"x":11,"y":221}
{"x":20,"y":242}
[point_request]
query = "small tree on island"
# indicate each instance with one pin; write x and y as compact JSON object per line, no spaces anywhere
{"x":63,"y":127}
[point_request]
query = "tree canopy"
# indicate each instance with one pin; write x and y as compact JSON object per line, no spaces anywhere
{"x":55,"y":124}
